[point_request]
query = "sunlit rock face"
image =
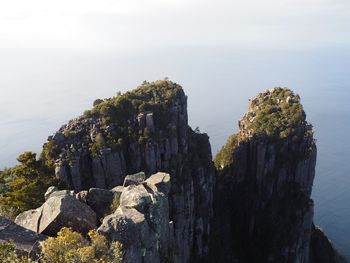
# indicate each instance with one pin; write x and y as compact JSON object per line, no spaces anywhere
{"x":143,"y":130}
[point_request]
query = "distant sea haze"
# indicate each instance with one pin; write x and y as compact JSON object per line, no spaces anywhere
{"x":40,"y":92}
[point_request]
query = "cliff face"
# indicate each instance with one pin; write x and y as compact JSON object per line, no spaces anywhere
{"x":322,"y":250}
{"x":265,"y":179}
{"x":143,"y":130}
{"x":254,"y":207}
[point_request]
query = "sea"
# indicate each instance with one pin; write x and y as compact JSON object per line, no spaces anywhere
{"x":42,"y":90}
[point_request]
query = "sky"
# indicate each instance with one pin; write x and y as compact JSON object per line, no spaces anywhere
{"x":129,"y":25}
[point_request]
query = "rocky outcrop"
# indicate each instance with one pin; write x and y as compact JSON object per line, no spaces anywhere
{"x":143,"y":130}
{"x":141,"y":223}
{"x":263,"y":191}
{"x":321,"y":248}
{"x":57,"y":212}
{"x":27,"y":242}
{"x":262,"y":206}
{"x":134,"y":179}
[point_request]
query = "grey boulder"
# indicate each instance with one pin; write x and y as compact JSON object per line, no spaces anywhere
{"x":141,"y":223}
{"x":134,"y":179}
{"x":57,"y":212}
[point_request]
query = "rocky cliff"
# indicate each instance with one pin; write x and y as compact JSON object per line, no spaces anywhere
{"x":253,"y":206}
{"x":322,"y":250}
{"x":266,"y":173}
{"x":142,"y":130}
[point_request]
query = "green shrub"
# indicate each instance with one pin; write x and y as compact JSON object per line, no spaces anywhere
{"x":97,"y":101}
{"x":225,"y":155}
{"x":50,"y":149}
{"x":70,"y":246}
{"x":25,"y":185}
{"x":8,"y":254}
{"x":121,"y":109}
{"x":275,"y":114}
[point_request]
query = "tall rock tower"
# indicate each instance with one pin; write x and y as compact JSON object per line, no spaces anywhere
{"x":263,"y":210}
{"x":143,"y":130}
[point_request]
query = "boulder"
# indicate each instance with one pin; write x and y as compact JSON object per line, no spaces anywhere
{"x":141,"y":223}
{"x":26,"y":241}
{"x":118,"y":189}
{"x":135,"y":196}
{"x":30,"y":219}
{"x":159,"y":182}
{"x":134,"y":179}
{"x":49,"y":191}
{"x":57,"y":212}
{"x":58,"y":193}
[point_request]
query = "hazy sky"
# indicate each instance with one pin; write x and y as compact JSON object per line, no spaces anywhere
{"x":122,"y":25}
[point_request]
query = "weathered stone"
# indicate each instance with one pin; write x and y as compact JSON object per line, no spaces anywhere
{"x":26,"y":241}
{"x":159,"y":182}
{"x":141,"y":224}
{"x":134,"y":179}
{"x":30,"y":219}
{"x":49,"y":191}
{"x":135,"y":196}
{"x":57,"y":212}
{"x":59,"y":193}
{"x":118,"y":189}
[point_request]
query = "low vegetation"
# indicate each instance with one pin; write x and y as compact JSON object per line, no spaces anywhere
{"x":118,"y":111}
{"x":70,"y":246}
{"x":276,"y":113}
{"x":225,"y":155}
{"x":8,"y":254}
{"x":273,"y":115}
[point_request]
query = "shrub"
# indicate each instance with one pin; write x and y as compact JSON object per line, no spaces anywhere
{"x":275,"y":114}
{"x":97,"y":102}
{"x":25,"y":185}
{"x":8,"y":212}
{"x":70,"y":246}
{"x":8,"y":254}
{"x":225,"y":155}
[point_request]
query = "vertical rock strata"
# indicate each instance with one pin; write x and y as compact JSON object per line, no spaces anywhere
{"x":142,"y":130}
{"x":255,"y":207}
{"x":265,"y":180}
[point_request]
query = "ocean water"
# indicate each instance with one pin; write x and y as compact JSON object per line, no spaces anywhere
{"x":41,"y":91}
